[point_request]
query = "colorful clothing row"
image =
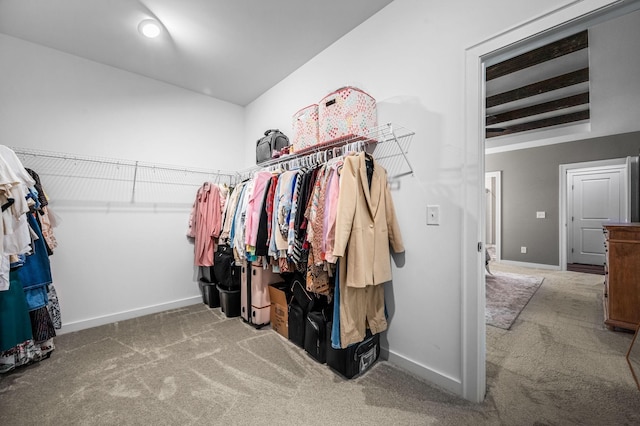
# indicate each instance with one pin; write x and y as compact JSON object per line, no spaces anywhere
{"x":307,"y":219}
{"x":28,"y":302}
{"x":282,"y":216}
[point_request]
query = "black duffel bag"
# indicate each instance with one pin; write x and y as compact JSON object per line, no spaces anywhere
{"x":271,"y":143}
{"x":302,"y":303}
{"x":223,"y":263}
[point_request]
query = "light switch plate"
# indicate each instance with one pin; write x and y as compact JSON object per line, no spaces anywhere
{"x":541,"y":215}
{"x":433,"y":215}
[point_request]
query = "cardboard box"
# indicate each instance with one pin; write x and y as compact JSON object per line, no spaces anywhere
{"x":279,"y":308}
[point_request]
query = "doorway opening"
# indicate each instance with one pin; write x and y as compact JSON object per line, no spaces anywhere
{"x":564,"y":18}
{"x":591,"y":194}
{"x":493,"y":200}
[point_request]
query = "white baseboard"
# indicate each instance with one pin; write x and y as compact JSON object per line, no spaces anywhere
{"x":530,"y":265}
{"x":423,"y":372}
{"x":125,"y":315}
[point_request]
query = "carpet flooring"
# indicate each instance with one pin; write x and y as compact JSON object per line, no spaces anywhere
{"x":507,"y":294}
{"x":194,"y":366}
{"x":557,"y":365}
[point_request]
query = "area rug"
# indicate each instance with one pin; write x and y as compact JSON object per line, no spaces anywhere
{"x":507,"y":294}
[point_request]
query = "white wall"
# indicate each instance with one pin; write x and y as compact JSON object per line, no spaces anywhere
{"x":411,"y":58}
{"x":114,"y":263}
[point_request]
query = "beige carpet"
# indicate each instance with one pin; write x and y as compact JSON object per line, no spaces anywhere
{"x":556,"y":366}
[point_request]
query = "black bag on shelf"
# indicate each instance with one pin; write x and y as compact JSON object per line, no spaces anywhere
{"x":271,"y":143}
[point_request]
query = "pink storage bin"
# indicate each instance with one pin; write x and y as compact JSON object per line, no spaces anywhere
{"x":305,"y":128}
{"x":345,"y":113}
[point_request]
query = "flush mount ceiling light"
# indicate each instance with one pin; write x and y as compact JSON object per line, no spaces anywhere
{"x":150,"y":28}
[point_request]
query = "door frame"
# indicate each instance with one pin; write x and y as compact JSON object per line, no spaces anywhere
{"x":497,"y":224}
{"x":591,"y":166}
{"x":472,"y":286}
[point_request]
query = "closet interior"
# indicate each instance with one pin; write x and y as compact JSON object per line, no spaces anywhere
{"x":303,"y":242}
{"x":310,"y":270}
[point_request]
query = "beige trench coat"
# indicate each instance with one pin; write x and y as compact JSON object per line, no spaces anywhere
{"x":366,"y":226}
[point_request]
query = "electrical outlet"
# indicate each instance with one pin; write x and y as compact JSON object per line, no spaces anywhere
{"x":541,"y":215}
{"x":523,"y":249}
{"x":433,"y":215}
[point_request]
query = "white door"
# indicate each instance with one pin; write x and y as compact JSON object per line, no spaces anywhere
{"x":595,"y":197}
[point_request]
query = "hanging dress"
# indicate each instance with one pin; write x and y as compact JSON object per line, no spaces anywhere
{"x":207,"y":220}
{"x":15,"y":324}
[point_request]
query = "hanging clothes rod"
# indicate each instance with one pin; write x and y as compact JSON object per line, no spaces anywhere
{"x":320,"y":156}
{"x":389,"y":145}
{"x":83,"y":178}
{"x":117,"y":162}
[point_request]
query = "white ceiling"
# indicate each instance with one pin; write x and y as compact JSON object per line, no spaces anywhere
{"x":232,"y":50}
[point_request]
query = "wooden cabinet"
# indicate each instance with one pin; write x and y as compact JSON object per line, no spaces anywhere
{"x":622,"y":275}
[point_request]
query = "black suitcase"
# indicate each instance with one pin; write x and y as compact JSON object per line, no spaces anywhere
{"x":296,"y":322}
{"x":315,"y":336}
{"x":355,"y":359}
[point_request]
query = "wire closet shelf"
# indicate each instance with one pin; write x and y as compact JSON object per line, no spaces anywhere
{"x":389,"y":144}
{"x":71,"y":179}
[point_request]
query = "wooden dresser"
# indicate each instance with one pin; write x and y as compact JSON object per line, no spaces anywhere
{"x":622,"y":275}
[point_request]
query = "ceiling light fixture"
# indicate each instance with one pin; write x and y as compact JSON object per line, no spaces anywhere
{"x":150,"y":28}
